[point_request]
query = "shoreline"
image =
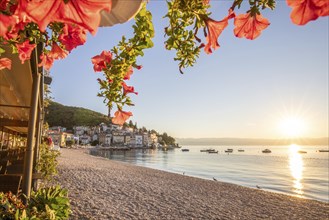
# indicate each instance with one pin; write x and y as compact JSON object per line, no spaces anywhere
{"x":100,"y":188}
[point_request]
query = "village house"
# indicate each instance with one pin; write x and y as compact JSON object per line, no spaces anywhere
{"x":101,"y":138}
{"x":84,"y":139}
{"x":59,"y":138}
{"x":118,"y":138}
{"x":108,"y":139}
{"x":138,"y":140}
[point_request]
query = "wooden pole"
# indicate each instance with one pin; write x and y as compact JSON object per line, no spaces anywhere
{"x":2,"y":137}
{"x":28,"y":160}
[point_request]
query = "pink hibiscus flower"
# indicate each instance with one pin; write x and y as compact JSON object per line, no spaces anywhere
{"x":249,"y":26}
{"x":5,"y":63}
{"x":46,"y":61}
{"x":128,"y":89}
{"x":100,"y":61}
{"x":57,"y":52}
{"x":304,"y":11}
{"x":72,"y":36}
{"x":24,"y":50}
{"x":85,"y":13}
{"x":215,"y":28}
{"x":120,"y":117}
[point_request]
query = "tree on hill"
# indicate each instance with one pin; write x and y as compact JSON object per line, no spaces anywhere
{"x":68,"y":116}
{"x":166,"y":139}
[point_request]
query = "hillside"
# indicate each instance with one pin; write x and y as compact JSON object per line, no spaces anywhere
{"x":68,"y":116}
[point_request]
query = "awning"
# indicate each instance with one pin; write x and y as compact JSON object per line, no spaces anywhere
{"x":15,"y":94}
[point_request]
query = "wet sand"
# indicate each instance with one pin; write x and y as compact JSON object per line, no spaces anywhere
{"x":103,"y":189}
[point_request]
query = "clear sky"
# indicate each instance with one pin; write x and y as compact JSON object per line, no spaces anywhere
{"x":244,"y":89}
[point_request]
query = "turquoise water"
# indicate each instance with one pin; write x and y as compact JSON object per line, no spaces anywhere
{"x":284,"y":170}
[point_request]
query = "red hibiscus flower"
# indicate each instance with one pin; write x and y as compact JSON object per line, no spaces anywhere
{"x":215,"y":28}
{"x":304,"y":11}
{"x":101,"y":60}
{"x":85,"y":13}
{"x":72,"y":37}
{"x":24,"y":50}
{"x":120,"y":117}
{"x":128,"y":89}
{"x":57,"y":52}
{"x":128,"y":73}
{"x":5,"y":63}
{"x":249,"y":26}
{"x":46,"y":61}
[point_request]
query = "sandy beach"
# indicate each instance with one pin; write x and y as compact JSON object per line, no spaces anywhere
{"x":103,"y":189}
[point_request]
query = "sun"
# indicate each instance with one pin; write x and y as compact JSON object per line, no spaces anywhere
{"x":292,"y":126}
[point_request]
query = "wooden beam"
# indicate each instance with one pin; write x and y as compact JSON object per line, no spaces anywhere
{"x":12,"y":123}
{"x":14,"y":106}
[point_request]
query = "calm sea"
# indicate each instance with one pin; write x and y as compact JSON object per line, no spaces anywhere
{"x":284,"y":170}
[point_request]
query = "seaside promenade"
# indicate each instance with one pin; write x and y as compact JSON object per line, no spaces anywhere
{"x":103,"y":189}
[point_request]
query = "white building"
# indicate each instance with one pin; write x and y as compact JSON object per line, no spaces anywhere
{"x":139,"y":140}
{"x":81,"y":130}
{"x":118,"y":139}
{"x":84,"y":139}
{"x":108,"y":138}
{"x":95,"y":137}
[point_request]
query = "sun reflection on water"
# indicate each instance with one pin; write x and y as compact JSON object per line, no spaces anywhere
{"x":296,"y":166}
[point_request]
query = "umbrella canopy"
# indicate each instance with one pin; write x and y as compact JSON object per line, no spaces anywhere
{"x":121,"y":12}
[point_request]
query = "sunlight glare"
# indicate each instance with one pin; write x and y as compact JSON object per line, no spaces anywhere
{"x":292,"y":126}
{"x":296,"y":166}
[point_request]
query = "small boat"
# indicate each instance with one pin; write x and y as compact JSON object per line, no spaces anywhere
{"x":302,"y":152}
{"x":323,"y":150}
{"x":185,"y":150}
{"x":267,"y":151}
{"x":207,"y":150}
{"x":229,"y":150}
{"x":240,"y":150}
{"x":213,"y":152}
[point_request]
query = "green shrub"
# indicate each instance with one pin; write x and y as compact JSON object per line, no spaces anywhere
{"x":11,"y":207}
{"x":47,"y":163}
{"x":50,"y":203}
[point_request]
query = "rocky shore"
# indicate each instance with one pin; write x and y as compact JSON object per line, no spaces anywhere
{"x":103,"y":189}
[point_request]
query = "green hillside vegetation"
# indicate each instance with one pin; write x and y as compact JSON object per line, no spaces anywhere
{"x":68,"y":116}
